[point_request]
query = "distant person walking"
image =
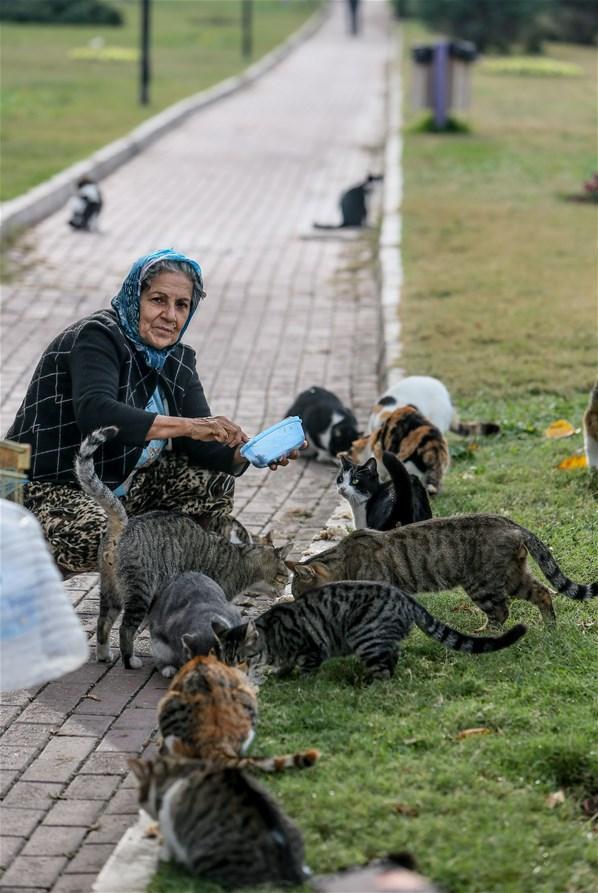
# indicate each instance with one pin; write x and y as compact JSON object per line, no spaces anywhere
{"x":353,"y":6}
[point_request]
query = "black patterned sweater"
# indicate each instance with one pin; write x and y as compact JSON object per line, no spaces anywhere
{"x":90,"y":376}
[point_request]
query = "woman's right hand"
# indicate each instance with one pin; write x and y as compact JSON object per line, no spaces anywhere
{"x":217,"y":428}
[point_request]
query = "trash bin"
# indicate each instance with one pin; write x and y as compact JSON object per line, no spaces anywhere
{"x":441,"y":77}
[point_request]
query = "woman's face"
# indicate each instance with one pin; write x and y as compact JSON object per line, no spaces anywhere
{"x":164,"y":308}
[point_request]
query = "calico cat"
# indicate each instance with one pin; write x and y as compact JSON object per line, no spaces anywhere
{"x":431,"y":398}
{"x":353,"y":205}
{"x":381,"y":506}
{"x":220,"y":823}
{"x":412,"y":437}
{"x":329,"y":426}
{"x":368,"y":620}
{"x":485,"y":554}
{"x":180,"y":620}
{"x":139,"y":556}
{"x":590,"y":428}
{"x":86,"y":205}
{"x":210,"y":712}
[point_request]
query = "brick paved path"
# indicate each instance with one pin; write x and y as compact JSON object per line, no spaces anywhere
{"x":237,"y":187}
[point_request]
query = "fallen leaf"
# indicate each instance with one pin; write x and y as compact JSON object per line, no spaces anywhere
{"x":405,"y":809}
{"x":555,"y":799}
{"x":481,"y":730}
{"x":574,"y":461}
{"x":92,"y":697}
{"x":560,"y":428}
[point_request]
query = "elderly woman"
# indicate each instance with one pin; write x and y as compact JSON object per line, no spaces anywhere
{"x":128,"y":367}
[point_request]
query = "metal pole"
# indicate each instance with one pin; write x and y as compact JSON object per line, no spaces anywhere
{"x":440,"y":75}
{"x":145,"y":52}
{"x":246,"y":28}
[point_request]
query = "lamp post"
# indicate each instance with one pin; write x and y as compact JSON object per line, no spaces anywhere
{"x":145,"y":49}
{"x":246,"y":28}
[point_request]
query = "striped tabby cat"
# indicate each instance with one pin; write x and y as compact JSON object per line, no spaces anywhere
{"x":410,"y":436}
{"x":220,"y":824}
{"x":210,"y":713}
{"x":368,"y":620}
{"x":140,"y":556}
{"x":590,"y":428}
{"x":485,"y":554}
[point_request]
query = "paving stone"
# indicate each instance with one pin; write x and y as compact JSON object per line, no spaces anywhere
{"x":59,"y":759}
{"x":85,"y":724}
{"x":122,"y":741}
{"x":30,"y":735}
{"x":33,"y":795}
{"x":125,"y":802}
{"x":50,"y":841}
{"x":105,"y":764}
{"x":33,"y":871}
{"x":7,"y":778}
{"x":110,"y":828}
{"x":91,"y":857}
{"x":75,"y":883}
{"x":7,"y":714}
{"x":9,"y":847}
{"x":74,"y":813}
{"x":17,"y":822}
{"x":92,"y":787}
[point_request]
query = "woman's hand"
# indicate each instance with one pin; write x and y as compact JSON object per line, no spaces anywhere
{"x":217,"y":428}
{"x":284,"y":460}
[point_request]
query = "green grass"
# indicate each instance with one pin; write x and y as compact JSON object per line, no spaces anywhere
{"x":56,"y":110}
{"x":499,"y":301}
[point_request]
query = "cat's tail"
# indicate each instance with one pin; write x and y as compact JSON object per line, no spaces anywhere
{"x":472,"y":429}
{"x":92,"y":485}
{"x":543,"y":556}
{"x":302,"y":760}
{"x":411,"y":503}
{"x":328,"y":225}
{"x":456,"y":641}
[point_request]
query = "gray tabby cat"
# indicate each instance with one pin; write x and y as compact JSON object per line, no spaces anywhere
{"x":368,"y":620}
{"x":485,"y":554}
{"x":180,"y":620}
{"x":139,"y":556}
{"x":221,"y":824}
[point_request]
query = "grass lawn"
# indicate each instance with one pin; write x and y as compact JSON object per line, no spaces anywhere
{"x":500,"y":302}
{"x":56,"y":109}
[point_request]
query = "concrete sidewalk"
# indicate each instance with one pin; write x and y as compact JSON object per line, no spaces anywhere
{"x":237,"y":187}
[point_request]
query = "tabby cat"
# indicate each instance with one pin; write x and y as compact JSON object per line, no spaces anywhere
{"x":139,"y":556}
{"x":220,"y":823}
{"x":368,"y":620}
{"x":329,"y":425}
{"x":431,"y":398}
{"x":382,"y":506}
{"x":210,"y":712}
{"x":590,"y":428}
{"x":410,"y":436}
{"x":180,"y":620}
{"x":485,"y":554}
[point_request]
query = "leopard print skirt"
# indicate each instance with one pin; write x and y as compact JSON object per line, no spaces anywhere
{"x":73,"y":523}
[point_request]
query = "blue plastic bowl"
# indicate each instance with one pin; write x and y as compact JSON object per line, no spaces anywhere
{"x":275,"y":442}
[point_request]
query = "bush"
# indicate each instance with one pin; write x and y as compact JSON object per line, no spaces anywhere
{"x":574,"y":21}
{"x":60,"y":12}
{"x":489,"y":24}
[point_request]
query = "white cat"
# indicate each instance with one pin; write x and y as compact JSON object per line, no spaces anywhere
{"x":432,"y":399}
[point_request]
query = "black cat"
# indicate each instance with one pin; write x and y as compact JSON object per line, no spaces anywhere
{"x":86,"y":205}
{"x":382,"y":506}
{"x":353,"y":205}
{"x":329,"y":426}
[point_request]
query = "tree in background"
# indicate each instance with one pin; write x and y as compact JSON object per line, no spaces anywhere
{"x":60,"y":12}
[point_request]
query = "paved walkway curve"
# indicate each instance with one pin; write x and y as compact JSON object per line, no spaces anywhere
{"x":238,"y":187}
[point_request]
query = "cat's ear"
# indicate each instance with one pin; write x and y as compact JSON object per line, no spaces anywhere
{"x":320,"y":570}
{"x":187,"y":640}
{"x":283,"y":551}
{"x":291,"y":564}
{"x":305,"y":573}
{"x":251,"y":633}
{"x":267,"y":539}
{"x":141,"y":769}
{"x":372,"y":466}
{"x":219,"y":629}
{"x":422,"y":510}
{"x":344,"y":459}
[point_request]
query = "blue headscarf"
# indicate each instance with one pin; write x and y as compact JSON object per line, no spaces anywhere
{"x":126,"y":303}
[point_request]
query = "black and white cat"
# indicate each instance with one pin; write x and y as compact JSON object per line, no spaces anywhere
{"x":353,"y":205}
{"x":181,"y":616}
{"x":432,"y":399}
{"x":86,"y":205}
{"x":382,"y":506}
{"x":330,"y":427}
